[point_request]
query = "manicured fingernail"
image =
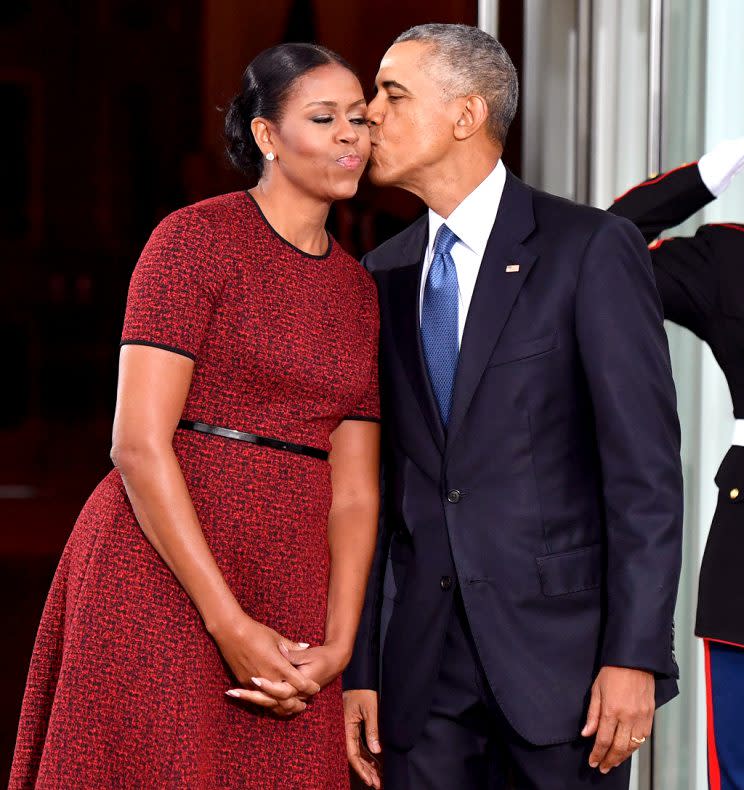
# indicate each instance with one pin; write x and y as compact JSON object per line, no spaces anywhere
{"x":604,"y":770}
{"x":303,"y":645}
{"x":257,"y":681}
{"x":233,"y":693}
{"x":593,"y":765}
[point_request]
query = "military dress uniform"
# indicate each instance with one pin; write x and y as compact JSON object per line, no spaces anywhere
{"x":701,"y":283}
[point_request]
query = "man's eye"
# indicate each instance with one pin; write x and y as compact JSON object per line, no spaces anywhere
{"x":323,"y":119}
{"x":394,"y":98}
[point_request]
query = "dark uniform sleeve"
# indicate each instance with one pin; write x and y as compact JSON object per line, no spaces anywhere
{"x":175,"y":286}
{"x":663,"y":201}
{"x":683,"y":266}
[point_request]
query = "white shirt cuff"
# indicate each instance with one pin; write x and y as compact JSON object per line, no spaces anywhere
{"x":719,"y":166}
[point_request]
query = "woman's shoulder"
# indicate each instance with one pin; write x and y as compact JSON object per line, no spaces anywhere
{"x":212,"y":217}
{"x":356,"y":271}
{"x":194,"y":238}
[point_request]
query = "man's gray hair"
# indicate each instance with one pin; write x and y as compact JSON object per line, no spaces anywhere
{"x":470,"y":61}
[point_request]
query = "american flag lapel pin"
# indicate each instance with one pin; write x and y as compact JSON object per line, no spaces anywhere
{"x":512,"y":267}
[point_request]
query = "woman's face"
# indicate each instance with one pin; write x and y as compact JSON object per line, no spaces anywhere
{"x":322,"y":141}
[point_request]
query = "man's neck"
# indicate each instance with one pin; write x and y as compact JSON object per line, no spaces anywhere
{"x":445,"y":185}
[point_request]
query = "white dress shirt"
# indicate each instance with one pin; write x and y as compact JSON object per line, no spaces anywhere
{"x":472,"y":222}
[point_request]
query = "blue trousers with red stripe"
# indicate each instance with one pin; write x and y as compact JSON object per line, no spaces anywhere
{"x":724,"y":677}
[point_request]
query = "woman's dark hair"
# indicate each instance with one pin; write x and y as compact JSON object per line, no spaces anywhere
{"x":267,"y":82}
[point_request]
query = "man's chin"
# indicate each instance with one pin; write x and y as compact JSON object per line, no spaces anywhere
{"x":381,"y":176}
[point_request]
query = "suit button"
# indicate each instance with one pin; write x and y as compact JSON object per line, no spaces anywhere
{"x":734,"y":493}
{"x":446,"y":583}
{"x":454,"y":496}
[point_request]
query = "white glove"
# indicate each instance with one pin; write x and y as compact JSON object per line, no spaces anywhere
{"x":720,"y":165}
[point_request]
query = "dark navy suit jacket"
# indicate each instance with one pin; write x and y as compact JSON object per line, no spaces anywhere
{"x":554,"y":498}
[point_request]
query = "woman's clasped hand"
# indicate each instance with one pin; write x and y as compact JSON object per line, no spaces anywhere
{"x":274,"y":672}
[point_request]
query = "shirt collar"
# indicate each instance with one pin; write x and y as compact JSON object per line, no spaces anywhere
{"x":472,"y":220}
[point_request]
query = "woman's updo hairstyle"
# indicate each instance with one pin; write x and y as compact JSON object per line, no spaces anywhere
{"x":266,"y":85}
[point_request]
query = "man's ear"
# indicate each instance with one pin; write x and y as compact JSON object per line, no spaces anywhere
{"x":473,"y":115}
{"x":262,"y":134}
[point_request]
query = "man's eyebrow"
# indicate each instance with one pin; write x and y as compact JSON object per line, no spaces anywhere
{"x":387,"y":84}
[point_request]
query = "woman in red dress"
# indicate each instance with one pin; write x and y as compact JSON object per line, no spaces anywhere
{"x":207,"y":599}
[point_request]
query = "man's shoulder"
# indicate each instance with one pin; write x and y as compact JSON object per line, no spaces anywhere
{"x":554,"y":216}
{"x":568,"y":217}
{"x":388,"y":254}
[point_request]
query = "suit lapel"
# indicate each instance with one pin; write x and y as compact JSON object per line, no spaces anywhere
{"x":404,"y":291}
{"x":495,"y":292}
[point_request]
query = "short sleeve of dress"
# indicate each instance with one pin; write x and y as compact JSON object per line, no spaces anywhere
{"x":174,"y":287}
{"x":368,"y":407}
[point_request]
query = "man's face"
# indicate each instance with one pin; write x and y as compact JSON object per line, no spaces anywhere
{"x":411,"y":118}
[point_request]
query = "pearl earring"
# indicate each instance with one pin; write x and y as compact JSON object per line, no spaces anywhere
{"x":270,"y":156}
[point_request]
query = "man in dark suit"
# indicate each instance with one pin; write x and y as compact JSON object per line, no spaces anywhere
{"x":532,"y":484}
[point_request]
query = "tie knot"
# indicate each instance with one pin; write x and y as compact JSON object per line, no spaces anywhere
{"x":444,"y":241}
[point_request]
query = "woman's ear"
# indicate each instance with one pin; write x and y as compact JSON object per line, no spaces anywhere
{"x":263,"y":135}
{"x":473,"y":115}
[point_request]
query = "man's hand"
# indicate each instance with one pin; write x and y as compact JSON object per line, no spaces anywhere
{"x":621,"y":708}
{"x":360,"y":707}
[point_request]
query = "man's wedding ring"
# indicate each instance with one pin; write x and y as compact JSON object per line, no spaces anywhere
{"x":639,"y":741}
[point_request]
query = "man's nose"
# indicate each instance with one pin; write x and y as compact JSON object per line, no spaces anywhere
{"x":374,"y":112}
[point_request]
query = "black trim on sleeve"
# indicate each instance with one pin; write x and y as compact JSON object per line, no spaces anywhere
{"x":362,"y":417}
{"x":172,"y":349}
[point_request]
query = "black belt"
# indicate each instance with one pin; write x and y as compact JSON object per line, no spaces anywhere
{"x":263,"y":441}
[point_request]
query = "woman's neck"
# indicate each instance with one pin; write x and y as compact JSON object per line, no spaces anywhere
{"x":294,"y":215}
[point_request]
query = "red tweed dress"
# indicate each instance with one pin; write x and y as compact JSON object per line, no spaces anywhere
{"x":126,"y":688}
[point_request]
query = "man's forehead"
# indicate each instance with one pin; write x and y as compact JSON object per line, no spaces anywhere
{"x":399,"y":58}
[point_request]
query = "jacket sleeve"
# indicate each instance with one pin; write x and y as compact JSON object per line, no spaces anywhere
{"x":363,"y":671}
{"x":625,"y":358}
{"x":683,"y":266}
{"x":663,"y":201}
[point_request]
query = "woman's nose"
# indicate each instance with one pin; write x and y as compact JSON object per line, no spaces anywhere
{"x":348,"y":133}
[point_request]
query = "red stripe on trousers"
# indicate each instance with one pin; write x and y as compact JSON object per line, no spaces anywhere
{"x":714,"y":770}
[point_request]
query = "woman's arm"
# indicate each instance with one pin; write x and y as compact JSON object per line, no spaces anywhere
{"x":153,"y":385}
{"x":352,"y":527}
{"x":352,"y":534}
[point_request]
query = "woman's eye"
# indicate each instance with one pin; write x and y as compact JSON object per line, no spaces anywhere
{"x":359,"y":121}
{"x":323,"y":119}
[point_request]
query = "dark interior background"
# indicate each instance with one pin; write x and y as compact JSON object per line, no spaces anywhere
{"x":111,"y":121}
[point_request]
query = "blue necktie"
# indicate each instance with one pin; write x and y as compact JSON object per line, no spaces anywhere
{"x":439,"y":321}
